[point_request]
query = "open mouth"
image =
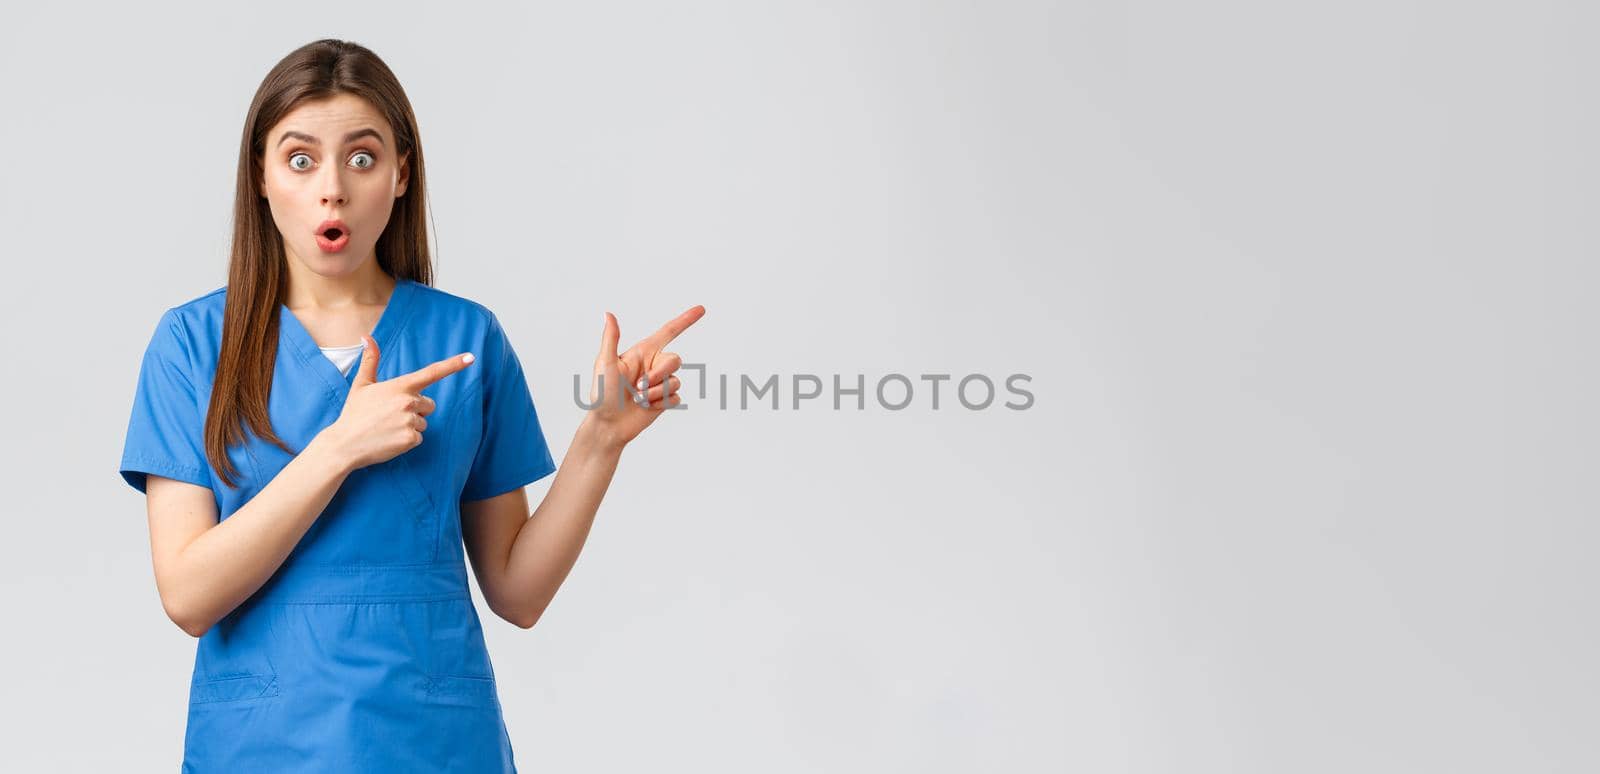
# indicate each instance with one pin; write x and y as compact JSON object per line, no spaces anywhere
{"x":332,"y":236}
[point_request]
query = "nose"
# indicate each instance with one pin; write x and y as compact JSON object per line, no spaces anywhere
{"x":333,"y":192}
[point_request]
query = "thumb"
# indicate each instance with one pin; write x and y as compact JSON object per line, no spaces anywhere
{"x":608,"y":340}
{"x":369,"y":363}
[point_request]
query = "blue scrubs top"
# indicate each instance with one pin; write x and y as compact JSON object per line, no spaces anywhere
{"x":364,"y":651}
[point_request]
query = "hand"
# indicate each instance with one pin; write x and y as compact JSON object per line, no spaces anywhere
{"x":616,"y":410}
{"x":382,"y":420}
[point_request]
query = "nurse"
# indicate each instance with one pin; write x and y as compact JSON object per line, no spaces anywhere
{"x":309,"y":497}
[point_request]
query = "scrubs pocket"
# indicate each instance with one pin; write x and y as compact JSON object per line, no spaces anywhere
{"x":460,"y":691}
{"x":233,"y":689}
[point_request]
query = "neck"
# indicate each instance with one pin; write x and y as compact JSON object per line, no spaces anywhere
{"x":367,"y":285}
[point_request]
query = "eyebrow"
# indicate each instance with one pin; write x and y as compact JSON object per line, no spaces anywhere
{"x":368,"y":132}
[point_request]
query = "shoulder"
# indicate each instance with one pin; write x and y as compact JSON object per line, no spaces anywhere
{"x":209,"y":303}
{"x":184,"y":328}
{"x":463,"y":325}
{"x":442,"y":308}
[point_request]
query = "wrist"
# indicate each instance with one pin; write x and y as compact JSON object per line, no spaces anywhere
{"x":596,"y":438}
{"x":327,"y":453}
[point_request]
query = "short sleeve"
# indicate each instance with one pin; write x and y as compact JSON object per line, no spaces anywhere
{"x":166,"y":429}
{"x":512,"y":451}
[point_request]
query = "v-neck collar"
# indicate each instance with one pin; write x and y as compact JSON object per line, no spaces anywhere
{"x":305,"y":349}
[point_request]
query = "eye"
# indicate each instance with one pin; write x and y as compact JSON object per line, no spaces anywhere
{"x":295,"y":166}
{"x":370,"y":159}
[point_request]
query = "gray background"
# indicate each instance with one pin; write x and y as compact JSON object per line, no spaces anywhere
{"x":1303,"y":290}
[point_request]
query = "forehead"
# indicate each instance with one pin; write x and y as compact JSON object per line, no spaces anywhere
{"x":329,"y":118}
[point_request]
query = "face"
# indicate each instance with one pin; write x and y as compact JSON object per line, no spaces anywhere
{"x":332,"y":159}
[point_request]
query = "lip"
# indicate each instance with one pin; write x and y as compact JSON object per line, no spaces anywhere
{"x":333,"y":245}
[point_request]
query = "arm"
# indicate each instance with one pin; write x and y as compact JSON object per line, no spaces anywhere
{"x":520,"y":561}
{"x":205,"y":567}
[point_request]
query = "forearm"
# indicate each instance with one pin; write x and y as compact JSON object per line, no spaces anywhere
{"x":548,"y":544}
{"x":227,"y":563}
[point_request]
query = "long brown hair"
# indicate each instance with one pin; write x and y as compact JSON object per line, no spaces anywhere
{"x":257,"y":274}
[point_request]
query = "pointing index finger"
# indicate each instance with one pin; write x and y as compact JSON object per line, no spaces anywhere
{"x":675,"y":326}
{"x":418,"y":380}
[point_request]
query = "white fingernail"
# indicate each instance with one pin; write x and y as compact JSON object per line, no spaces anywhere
{"x":467,"y":358}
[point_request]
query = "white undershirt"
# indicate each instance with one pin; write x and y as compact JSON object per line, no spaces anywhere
{"x":343,"y":357}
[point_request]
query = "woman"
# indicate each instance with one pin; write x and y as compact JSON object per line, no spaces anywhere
{"x":307,"y":515}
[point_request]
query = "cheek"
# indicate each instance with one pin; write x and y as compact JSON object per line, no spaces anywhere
{"x":279,"y":188}
{"x":376,"y":197}
{"x":380,"y":180}
{"x":279,"y":201}
{"x":285,"y":214}
{"x":274,"y":203}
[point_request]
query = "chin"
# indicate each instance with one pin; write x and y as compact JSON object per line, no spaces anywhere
{"x":338,"y":264}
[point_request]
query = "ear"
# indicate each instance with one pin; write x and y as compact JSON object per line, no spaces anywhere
{"x":405,"y":176}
